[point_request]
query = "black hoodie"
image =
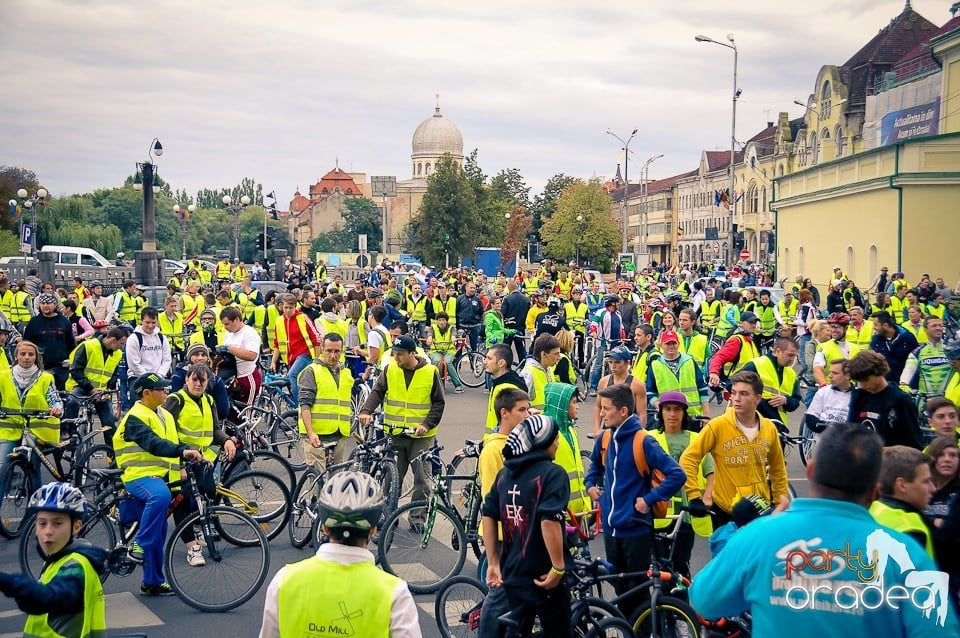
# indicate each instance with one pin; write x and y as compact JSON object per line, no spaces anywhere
{"x":511,"y":377}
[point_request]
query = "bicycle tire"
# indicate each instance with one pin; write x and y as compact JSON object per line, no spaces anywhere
{"x":285,"y":440}
{"x":671,"y":613}
{"x":388,"y":476}
{"x":613,"y":627}
{"x":98,"y":529}
{"x":458,"y":489}
{"x":303,"y":508}
{"x":458,"y":606}
{"x":264,"y":492}
{"x":96,"y":457}
{"x":470,"y":369}
{"x":808,"y":446}
{"x":266,"y":461}
{"x":424,"y":559}
{"x":587,"y":612}
{"x":16,"y":488}
{"x":216,"y":587}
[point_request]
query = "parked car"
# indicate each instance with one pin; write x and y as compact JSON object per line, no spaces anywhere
{"x":78,"y":256}
{"x":266,"y":287}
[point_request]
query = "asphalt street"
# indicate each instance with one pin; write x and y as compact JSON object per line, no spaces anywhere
{"x":130,"y":614}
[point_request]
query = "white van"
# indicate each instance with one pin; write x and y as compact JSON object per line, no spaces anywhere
{"x":75,"y":256}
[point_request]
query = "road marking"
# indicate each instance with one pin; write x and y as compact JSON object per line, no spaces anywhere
{"x":123,"y":611}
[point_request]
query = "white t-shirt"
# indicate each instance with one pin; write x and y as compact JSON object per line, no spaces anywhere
{"x":248,"y":339}
{"x":830,"y":405}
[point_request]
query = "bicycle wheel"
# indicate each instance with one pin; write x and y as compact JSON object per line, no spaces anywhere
{"x":266,"y":461}
{"x":264,"y":498}
{"x":424,"y":544}
{"x":387,"y":475}
{"x":98,"y":530}
{"x":458,"y":605}
{"x":808,"y":446}
{"x":233,"y":573}
{"x":96,"y":457}
{"x":613,"y":628}
{"x":16,"y":486}
{"x":470,"y":369}
{"x":674,"y":617}
{"x":285,"y":440}
{"x":588,"y":613}
{"x":303,"y":508}
{"x":458,"y":489}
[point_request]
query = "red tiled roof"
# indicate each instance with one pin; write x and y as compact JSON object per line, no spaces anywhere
{"x":717,"y":160}
{"x":918,"y":58}
{"x":667,"y":183}
{"x":337,"y":178}
{"x":299,"y":203}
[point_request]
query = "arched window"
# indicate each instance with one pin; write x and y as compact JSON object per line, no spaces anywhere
{"x":813,"y":149}
{"x":851,"y":263}
{"x":784,"y":268}
{"x":874,"y":259}
{"x":780,"y":171}
{"x":825,"y":95}
{"x":824,"y":135}
{"x":838,"y":139}
{"x":801,"y":262}
{"x":801,"y":150}
{"x":419,"y":168}
{"x":753,"y":204}
{"x":763,"y":199}
{"x":428,"y":168}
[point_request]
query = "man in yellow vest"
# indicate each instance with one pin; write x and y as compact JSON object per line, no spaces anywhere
{"x":736,"y":352}
{"x":148,"y":452}
{"x":21,"y":307}
{"x":239,"y":272}
{"x":248,"y":297}
{"x":324,"y":402}
{"x":834,"y":349}
{"x":498,"y":363}
{"x":224,"y":268}
{"x":781,"y":391}
{"x":125,"y":306}
{"x":786,"y":310}
{"x":412,"y":396}
{"x":538,"y":370}
{"x":441,"y":339}
{"x":443,"y":301}
{"x":906,"y":488}
{"x":859,"y":331}
{"x":342,"y":575}
{"x":692,"y":341}
{"x":93,"y":370}
{"x":577,"y":311}
{"x":676,"y":372}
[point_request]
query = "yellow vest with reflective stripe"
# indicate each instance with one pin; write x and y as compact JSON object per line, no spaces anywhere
{"x":342,"y":600}
{"x":442,"y":341}
{"x":128,"y":307}
{"x":832,"y":353}
{"x":192,"y":308}
{"x":787,"y":311}
{"x":490,"y":425}
{"x":953,"y":389}
{"x":568,"y":457}
{"x":223,"y":270}
{"x":702,"y":525}
{"x":450,"y":307}
{"x":7,"y":299}
{"x":20,"y":307}
{"x":860,"y":338}
{"x":282,"y":342}
{"x":748,"y":352}
{"x":576,"y":316}
{"x":916,"y":331}
{"x":89,"y":623}
{"x":11,"y":427}
{"x":330,"y":412}
{"x":697,"y":347}
{"x":99,"y":371}
{"x":531,"y":285}
{"x":407,"y":406}
{"x":571,"y":371}
{"x":273,"y":314}
{"x":773,"y":386}
{"x":934,"y":311}
{"x":195,"y":425}
{"x":172,"y":327}
{"x":418,"y":308}
{"x":726,"y":326}
{"x":136,"y":462}
{"x":709,"y":312}
{"x":239,"y":273}
{"x":903,"y":521}
{"x":768,"y":320}
{"x":540,"y":378}
{"x":565,"y":286}
{"x":685,"y":383}
{"x":247,"y":301}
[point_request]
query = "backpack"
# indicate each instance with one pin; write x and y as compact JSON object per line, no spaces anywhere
{"x":659,"y":508}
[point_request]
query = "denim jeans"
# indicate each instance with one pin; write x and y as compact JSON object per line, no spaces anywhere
{"x":156,"y":497}
{"x":451,"y":369}
{"x":494,"y":606}
{"x":597,"y":372}
{"x":71,"y":408}
{"x":294,"y":371}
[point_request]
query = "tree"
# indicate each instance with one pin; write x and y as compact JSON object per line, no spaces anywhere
{"x":210,"y":198}
{"x":449,"y":218}
{"x":546,"y":202}
{"x":13,"y":178}
{"x":597,"y":235}
{"x":516,"y":235}
{"x":362,"y":216}
{"x":508,"y":186}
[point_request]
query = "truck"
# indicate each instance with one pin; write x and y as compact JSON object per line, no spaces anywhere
{"x":490,"y":261}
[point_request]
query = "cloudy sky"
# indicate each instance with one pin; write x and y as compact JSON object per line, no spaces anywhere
{"x":279,"y":91}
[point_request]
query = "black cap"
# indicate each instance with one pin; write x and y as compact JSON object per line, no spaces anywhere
{"x":150,"y":381}
{"x":405,"y":343}
{"x":749,"y":317}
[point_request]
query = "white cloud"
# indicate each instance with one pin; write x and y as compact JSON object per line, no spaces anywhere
{"x":279,"y":91}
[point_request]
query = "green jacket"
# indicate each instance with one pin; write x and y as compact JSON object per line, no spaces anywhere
{"x":493,"y":328}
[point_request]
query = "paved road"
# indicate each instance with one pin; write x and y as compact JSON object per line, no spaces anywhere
{"x":128,"y":613}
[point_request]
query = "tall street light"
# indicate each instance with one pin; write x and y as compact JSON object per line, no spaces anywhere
{"x":234,"y":209}
{"x":644,"y":179}
{"x":626,"y":187}
{"x":183,"y":214}
{"x":579,"y":236}
{"x":30,"y":202}
{"x":733,"y":131}
{"x":148,"y":261}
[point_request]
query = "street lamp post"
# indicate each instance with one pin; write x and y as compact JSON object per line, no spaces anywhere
{"x":644,"y":178}
{"x":234,"y":209}
{"x":184,"y":215}
{"x":579,"y":236}
{"x":626,"y":187}
{"x":733,"y":131}
{"x":148,"y":261}
{"x":30,"y":202}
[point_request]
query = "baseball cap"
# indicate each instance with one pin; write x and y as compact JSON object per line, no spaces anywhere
{"x":620,"y":353}
{"x":405,"y":343}
{"x":673,"y":397}
{"x":669,"y":335}
{"x":150,"y":381}
{"x":749,"y":317}
{"x":750,"y":508}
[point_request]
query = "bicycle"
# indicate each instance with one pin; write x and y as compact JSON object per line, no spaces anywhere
{"x":277,"y":432}
{"x":468,"y":363}
{"x":238,"y":553}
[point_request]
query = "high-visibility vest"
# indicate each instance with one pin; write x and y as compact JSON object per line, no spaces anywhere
{"x":223,"y":270}
{"x":702,"y":525}
{"x":531,"y":285}
{"x":170,"y":327}
{"x":206,"y":276}
{"x":916,"y":331}
{"x":20,"y":307}
{"x":7,"y":301}
{"x":898,"y":308}
{"x":568,"y":457}
{"x":832,"y":353}
{"x":787,"y":311}
{"x":449,"y":306}
{"x":571,"y":371}
{"x":576,"y":315}
{"x":564,"y":286}
{"x":442,"y":341}
{"x":540,"y":379}
{"x":772,"y":385}
{"x":727,"y":326}
{"x":136,"y":462}
{"x":195,"y":424}
{"x":193,"y":306}
{"x":99,"y":371}
{"x":641,"y":363}
{"x":696,"y":346}
{"x":175,"y":282}
{"x":768,"y":319}
{"x":91,"y":622}
{"x":417,"y":308}
{"x":407,"y":406}
{"x":330,"y":412}
{"x":860,"y":337}
{"x":338,"y":327}
{"x":953,"y":389}
{"x":248,"y":301}
{"x":709,"y":312}
{"x":128,"y":307}
{"x":902,"y":521}
{"x":282,"y":341}
{"x":11,"y":426}
{"x":934,"y":311}
{"x":748,"y":352}
{"x":491,"y":424}
{"x":311,"y":595}
{"x":239,"y":273}
{"x":685,"y":381}
{"x":257,"y":319}
{"x":273,"y":317}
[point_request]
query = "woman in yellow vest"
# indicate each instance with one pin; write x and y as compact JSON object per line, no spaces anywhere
{"x":69,"y":594}
{"x":677,"y":431}
{"x":25,"y":386}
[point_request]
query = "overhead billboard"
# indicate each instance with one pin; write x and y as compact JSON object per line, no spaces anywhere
{"x":916,"y":121}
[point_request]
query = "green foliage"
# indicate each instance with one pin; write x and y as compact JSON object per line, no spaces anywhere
{"x":449,"y":208}
{"x":362,"y":216}
{"x":508,"y":186}
{"x":210,"y":198}
{"x":9,"y":243}
{"x":13,"y":178}
{"x":546,"y":202}
{"x":66,"y":221}
{"x":597,"y":235}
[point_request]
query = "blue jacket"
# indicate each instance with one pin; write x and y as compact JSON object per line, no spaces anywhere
{"x":623,"y":484}
{"x":751,"y":575}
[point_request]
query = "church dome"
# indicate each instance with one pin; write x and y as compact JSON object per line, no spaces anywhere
{"x":435,"y":136}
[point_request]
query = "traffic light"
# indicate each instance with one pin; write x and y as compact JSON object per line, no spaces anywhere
{"x":446,"y":242}
{"x":269,"y":242}
{"x":259,"y":241}
{"x":271,"y":233}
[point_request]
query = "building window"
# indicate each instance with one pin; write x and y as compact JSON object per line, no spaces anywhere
{"x":851,"y":263}
{"x":419,"y":168}
{"x":838,"y":139}
{"x":428,"y":168}
{"x":814,"y":149}
{"x":801,"y":261}
{"x":825,"y":96}
{"x":874,"y":259}
{"x":763,"y":199}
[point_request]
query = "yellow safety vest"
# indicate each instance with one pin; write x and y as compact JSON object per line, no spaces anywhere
{"x":576,"y":316}
{"x":898,"y":308}
{"x":564,"y":286}
{"x":311,"y":598}
{"x":248,"y":301}
{"x":99,"y":371}
{"x":685,"y":381}
{"x":768,"y":320}
{"x":282,"y":342}
{"x":540,"y":379}
{"x":239,"y":273}
{"x":917,"y":331}
{"x":128,"y":307}
{"x":748,"y":352}
{"x":385,"y":346}
{"x":407,"y":406}
{"x":176,"y":283}
{"x":727,"y":326}
{"x":273,"y":314}
{"x":195,"y":425}
{"x":491,"y":424}
{"x":258,"y":316}
{"x":773,"y":386}
{"x":170,"y":327}
{"x":934,"y":311}
{"x":136,"y":462}
{"x":330,"y":412}
{"x":832,"y":353}
{"x":696,"y":346}
{"x":709,"y":312}
{"x":787,"y":311}
{"x":223,"y":270}
{"x":860,"y":338}
{"x":11,"y":427}
{"x":192,"y":308}
{"x":953,"y":389}
{"x":702,"y":525}
{"x":89,"y":623}
{"x":206,"y":276}
{"x":442,"y":341}
{"x":531,"y":285}
{"x":571,"y":371}
{"x":20,"y":307}
{"x":449,"y":307}
{"x":568,"y":457}
{"x":641,"y":364}
{"x":7,"y":300}
{"x":902,"y":521}
{"x":418,"y":308}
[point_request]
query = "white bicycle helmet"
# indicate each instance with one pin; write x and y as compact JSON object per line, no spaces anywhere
{"x":352,"y":500}
{"x":58,"y":497}
{"x":553,"y":302}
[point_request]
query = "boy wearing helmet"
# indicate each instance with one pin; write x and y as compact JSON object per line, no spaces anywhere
{"x":70,"y":580}
{"x":339,"y":588}
{"x":836,"y":349}
{"x":552,"y":321}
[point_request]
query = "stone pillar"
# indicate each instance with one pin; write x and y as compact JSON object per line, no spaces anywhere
{"x":45,"y":264}
{"x":279,"y":257}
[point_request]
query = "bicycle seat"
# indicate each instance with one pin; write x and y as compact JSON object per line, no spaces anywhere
{"x":330,"y":445}
{"x":279,"y":383}
{"x":106,"y":473}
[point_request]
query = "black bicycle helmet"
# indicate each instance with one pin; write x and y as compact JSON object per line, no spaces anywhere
{"x":610,"y":299}
{"x":674,"y":297}
{"x":350,"y":500}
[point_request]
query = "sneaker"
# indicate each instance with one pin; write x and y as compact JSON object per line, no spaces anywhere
{"x":198,"y":536}
{"x":163,"y":589}
{"x":195,"y":556}
{"x":135,"y":552}
{"x":593,"y":393}
{"x":458,"y":390}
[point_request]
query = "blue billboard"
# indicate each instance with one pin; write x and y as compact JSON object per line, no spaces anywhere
{"x":916,"y":121}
